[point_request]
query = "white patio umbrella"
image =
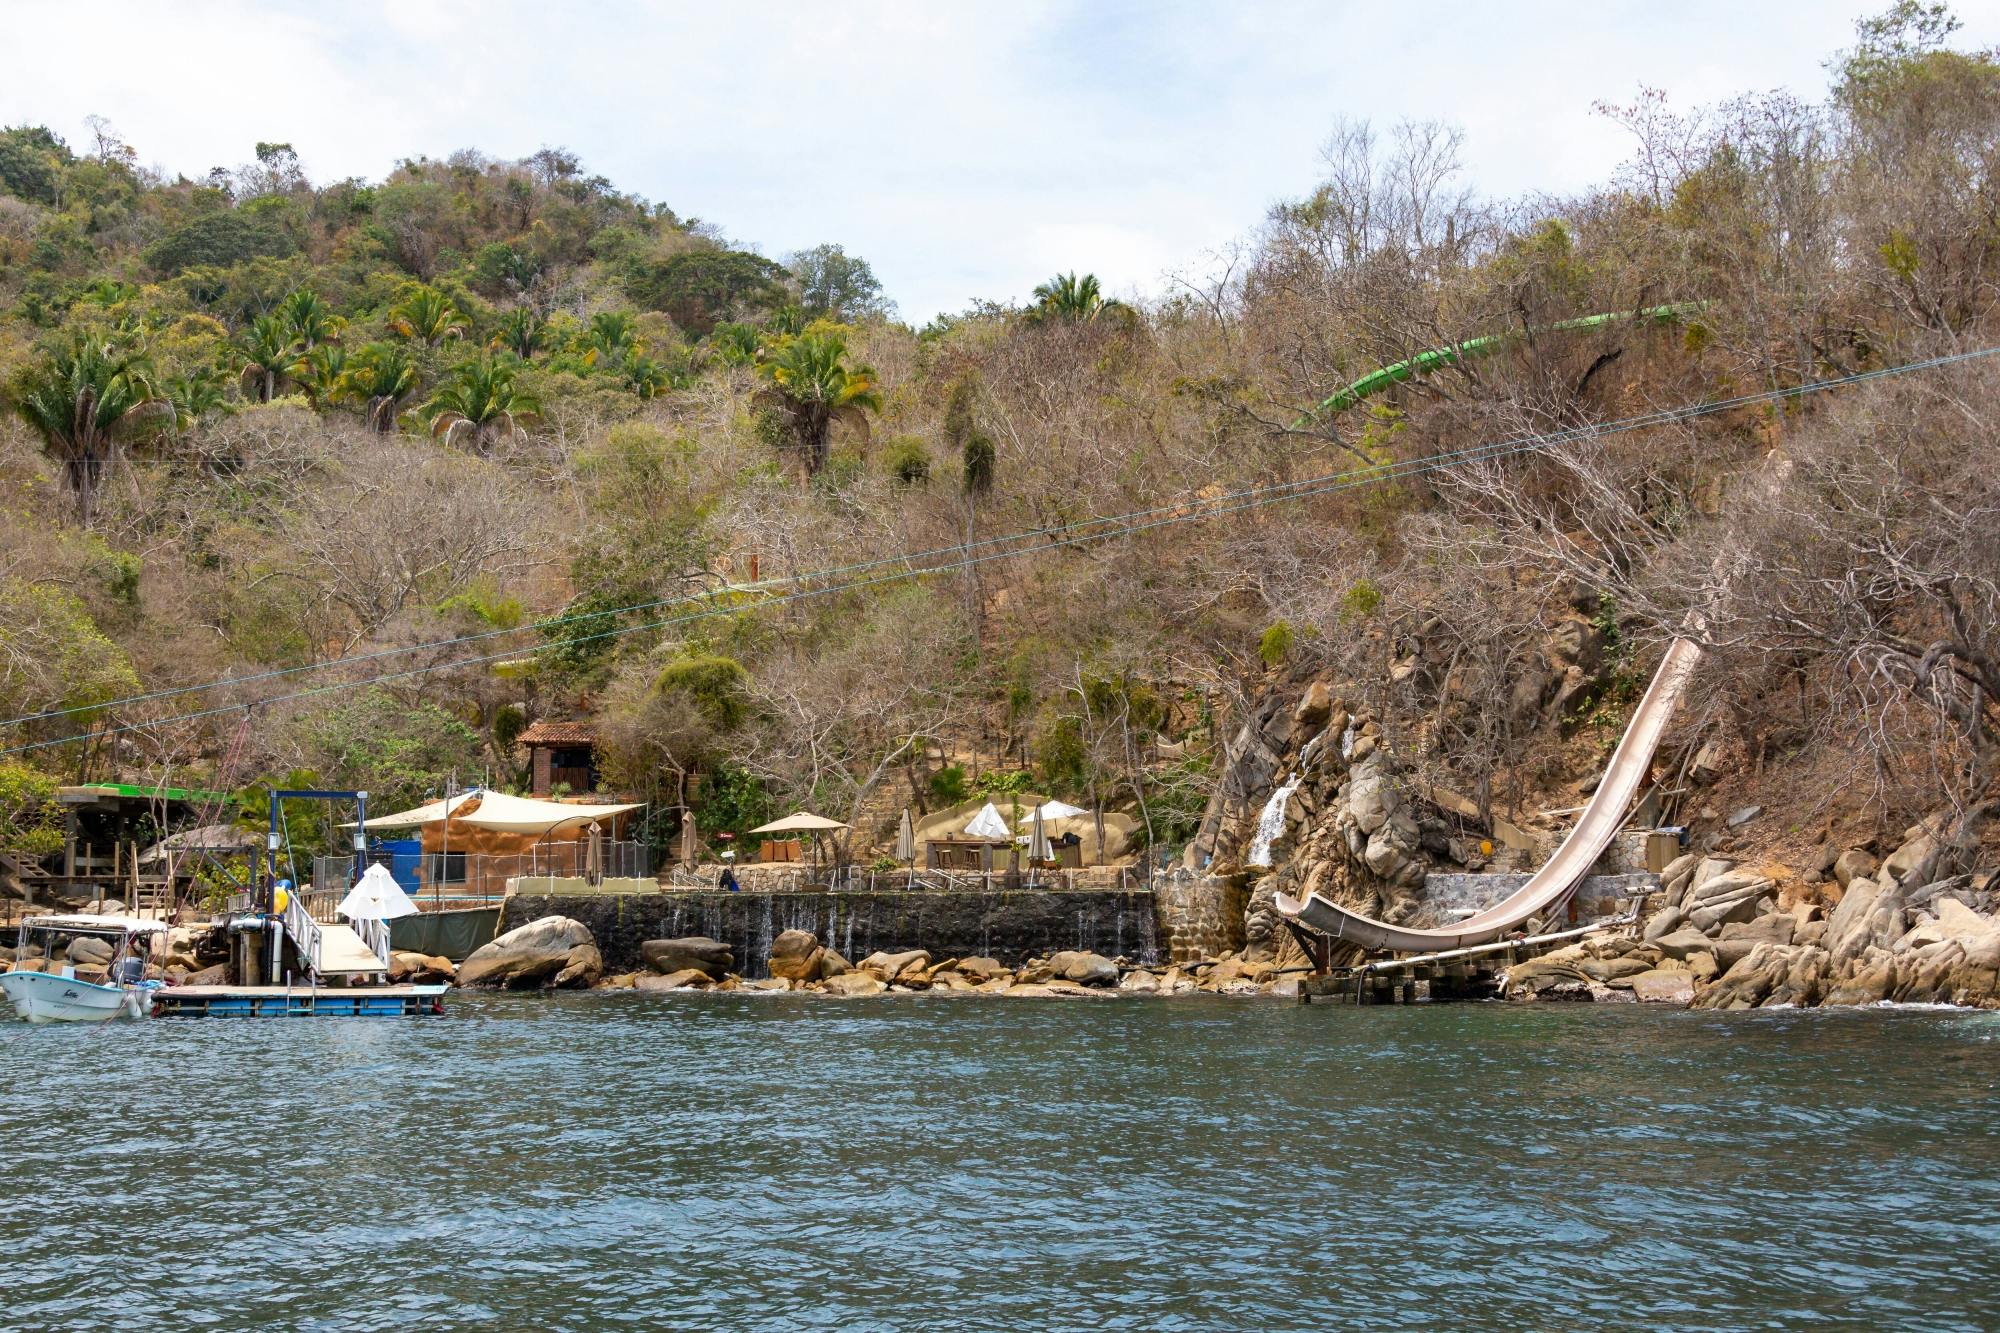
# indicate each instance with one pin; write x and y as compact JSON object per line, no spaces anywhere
{"x":377,"y":897}
{"x":906,"y":839}
{"x":1054,"y":810}
{"x":802,"y":821}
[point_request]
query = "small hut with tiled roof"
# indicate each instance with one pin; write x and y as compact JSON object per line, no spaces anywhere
{"x":562,"y":753}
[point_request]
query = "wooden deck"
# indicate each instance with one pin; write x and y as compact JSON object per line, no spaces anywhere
{"x":297,"y":1001}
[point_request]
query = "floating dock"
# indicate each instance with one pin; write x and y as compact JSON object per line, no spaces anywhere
{"x":298,"y":1001}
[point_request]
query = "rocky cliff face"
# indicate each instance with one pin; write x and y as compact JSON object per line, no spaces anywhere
{"x":1311,"y":800}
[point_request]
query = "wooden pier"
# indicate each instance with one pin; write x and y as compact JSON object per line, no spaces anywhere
{"x":298,"y":1001}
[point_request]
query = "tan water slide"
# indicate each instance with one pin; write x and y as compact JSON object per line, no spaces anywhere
{"x":1555,"y":881}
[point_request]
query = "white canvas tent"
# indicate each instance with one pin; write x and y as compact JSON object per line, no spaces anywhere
{"x":989,"y":823}
{"x":376,"y":897}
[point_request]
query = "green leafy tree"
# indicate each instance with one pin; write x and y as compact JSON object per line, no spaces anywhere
{"x":86,"y":398}
{"x":701,"y":288}
{"x":197,"y":395}
{"x":479,"y":403}
{"x":812,"y":388}
{"x":381,"y":378}
{"x":31,"y":821}
{"x":217,"y":240}
{"x":428,"y":316}
{"x":32,"y":160}
{"x":836,"y":285}
{"x":267,"y":353}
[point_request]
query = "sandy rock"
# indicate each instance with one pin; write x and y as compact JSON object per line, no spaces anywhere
{"x":851,"y":984}
{"x":420,"y":969}
{"x":1315,"y":706}
{"x":1772,"y":928}
{"x":795,"y":956}
{"x":1900,"y":864}
{"x":688,"y":978}
{"x":1852,"y":864}
{"x":1611,"y":970}
{"x":208,"y":976}
{"x":1663,"y":922}
{"x":1769,"y":975}
{"x":529,"y":955}
{"x":1286,"y":987}
{"x":890,"y":966}
{"x":86,"y":950}
{"x":1676,"y":877}
{"x":1541,"y":975}
{"x":690,"y":951}
{"x":1725,"y":898}
{"x":581,"y":968}
{"x":981,"y":968}
{"x":1140,"y":983}
{"x":1028,"y":990}
{"x":1865,"y":979}
{"x":1658,"y":987}
{"x":1076,"y":990}
{"x":1087,"y":969}
{"x":623,"y":981}
{"x":1682,"y":943}
{"x":1870,"y":914}
{"x":1371,"y":800}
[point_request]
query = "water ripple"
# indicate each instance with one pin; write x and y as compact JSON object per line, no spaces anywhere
{"x":609,"y":1161}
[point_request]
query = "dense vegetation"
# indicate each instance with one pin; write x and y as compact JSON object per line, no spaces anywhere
{"x":261,"y":423}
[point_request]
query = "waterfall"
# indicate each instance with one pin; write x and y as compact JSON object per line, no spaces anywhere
{"x":1271,"y":823}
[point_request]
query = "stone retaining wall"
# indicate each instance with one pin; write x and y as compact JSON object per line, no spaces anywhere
{"x":1011,"y":927}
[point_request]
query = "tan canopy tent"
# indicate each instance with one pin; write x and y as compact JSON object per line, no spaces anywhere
{"x":801,"y":821}
{"x":428,"y":813}
{"x":521,"y":814}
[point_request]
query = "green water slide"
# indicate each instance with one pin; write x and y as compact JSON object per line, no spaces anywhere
{"x":1423,"y":363}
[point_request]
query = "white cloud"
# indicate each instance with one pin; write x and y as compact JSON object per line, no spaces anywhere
{"x":965,"y":150}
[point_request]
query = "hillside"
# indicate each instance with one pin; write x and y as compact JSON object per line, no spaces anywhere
{"x":352,"y":445}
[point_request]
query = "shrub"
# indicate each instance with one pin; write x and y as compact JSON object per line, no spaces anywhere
{"x":1276,"y":645}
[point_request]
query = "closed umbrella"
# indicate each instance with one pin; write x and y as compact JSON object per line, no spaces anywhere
{"x":906,"y":839}
{"x":1038,"y":843}
{"x":377,"y":897}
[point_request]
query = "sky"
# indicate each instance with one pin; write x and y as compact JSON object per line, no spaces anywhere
{"x":966,"y":150}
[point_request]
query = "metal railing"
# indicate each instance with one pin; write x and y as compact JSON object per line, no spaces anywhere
{"x":856,"y":879}
{"x":303,"y":930}
{"x":374,"y":934}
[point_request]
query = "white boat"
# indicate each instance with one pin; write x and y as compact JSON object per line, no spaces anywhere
{"x":59,"y":996}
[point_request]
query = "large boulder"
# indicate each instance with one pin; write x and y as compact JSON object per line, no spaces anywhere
{"x":851,"y":984}
{"x":890,"y":966}
{"x":532,"y":955}
{"x":1085,"y":969}
{"x":86,"y":950}
{"x":687,"y":978}
{"x":1661,"y":987}
{"x":1682,"y":943}
{"x":691,"y":951}
{"x":420,"y":969}
{"x":1770,"y":975}
{"x":1869,"y":915}
{"x":1852,"y":864}
{"x":1730,"y":896}
{"x":795,"y":956}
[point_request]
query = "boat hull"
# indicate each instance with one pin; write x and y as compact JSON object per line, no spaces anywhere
{"x":45,"y":997}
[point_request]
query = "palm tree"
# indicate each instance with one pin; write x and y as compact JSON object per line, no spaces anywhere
{"x":310,"y":319}
{"x":478,"y":404}
{"x":427,"y":315}
{"x":380,"y":377}
{"x":84,"y":398}
{"x":611,"y":337}
{"x":812,"y":387}
{"x":268,"y":353}
{"x":646,"y":377}
{"x":1068,"y":299}
{"x":197,"y":394}
{"x":521,"y":331}
{"x":322,"y":373}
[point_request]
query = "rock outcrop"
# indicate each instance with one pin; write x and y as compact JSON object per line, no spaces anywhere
{"x":552,"y":951}
{"x":693,"y":951}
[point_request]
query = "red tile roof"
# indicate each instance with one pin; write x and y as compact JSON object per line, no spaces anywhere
{"x":550,"y":732}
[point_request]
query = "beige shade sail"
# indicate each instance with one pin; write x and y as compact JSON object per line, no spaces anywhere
{"x":428,"y":813}
{"x":522,"y":814}
{"x":801,"y":821}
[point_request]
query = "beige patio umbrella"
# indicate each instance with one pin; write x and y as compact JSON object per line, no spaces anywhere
{"x":906,"y":839}
{"x":802,"y":821}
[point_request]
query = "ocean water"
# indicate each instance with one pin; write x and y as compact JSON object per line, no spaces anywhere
{"x":621,"y":1161}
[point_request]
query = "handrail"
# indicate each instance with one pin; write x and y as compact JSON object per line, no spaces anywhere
{"x":374,"y":934}
{"x":303,"y":930}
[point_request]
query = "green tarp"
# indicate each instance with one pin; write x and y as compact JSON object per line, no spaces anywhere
{"x":453,"y":934}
